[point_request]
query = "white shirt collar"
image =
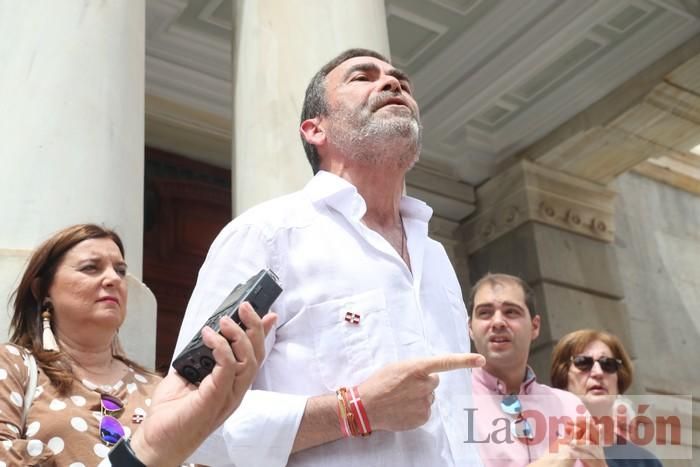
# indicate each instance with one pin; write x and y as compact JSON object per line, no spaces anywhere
{"x":342,"y":196}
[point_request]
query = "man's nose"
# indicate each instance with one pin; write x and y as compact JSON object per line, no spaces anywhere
{"x":498,"y":321}
{"x":391,"y":84}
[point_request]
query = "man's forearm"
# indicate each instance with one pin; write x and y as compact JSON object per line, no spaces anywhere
{"x":319,"y":424}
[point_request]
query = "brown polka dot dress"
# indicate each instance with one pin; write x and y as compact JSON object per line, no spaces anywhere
{"x":62,"y":431}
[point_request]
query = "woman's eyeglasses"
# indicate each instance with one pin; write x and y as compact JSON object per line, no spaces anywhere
{"x":520,"y":428}
{"x":607,"y":364}
{"x":111,"y":430}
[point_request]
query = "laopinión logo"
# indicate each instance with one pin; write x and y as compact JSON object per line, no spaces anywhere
{"x":643,"y":425}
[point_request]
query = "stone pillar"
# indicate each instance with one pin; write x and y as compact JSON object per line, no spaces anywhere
{"x":72,"y":132}
{"x":555,"y":231}
{"x":277,"y":48}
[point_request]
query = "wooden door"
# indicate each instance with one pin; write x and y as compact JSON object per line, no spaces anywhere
{"x":186,"y":205}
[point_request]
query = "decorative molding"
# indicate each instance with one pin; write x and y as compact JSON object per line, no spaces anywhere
{"x":443,"y":230}
{"x":534,"y":120}
{"x":417,"y":23}
{"x":461,"y":8}
{"x":528,"y":192}
{"x":686,"y":76}
{"x":664,"y":122}
{"x":657,"y":170}
{"x":187,"y":131}
{"x":450,"y":198}
{"x":599,"y":154}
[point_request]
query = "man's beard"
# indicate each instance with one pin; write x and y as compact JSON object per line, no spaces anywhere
{"x":364,"y":136}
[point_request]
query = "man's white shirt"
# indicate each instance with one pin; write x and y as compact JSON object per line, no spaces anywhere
{"x":349,"y":307}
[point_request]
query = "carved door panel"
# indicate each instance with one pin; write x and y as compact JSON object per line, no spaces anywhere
{"x":187,"y":204}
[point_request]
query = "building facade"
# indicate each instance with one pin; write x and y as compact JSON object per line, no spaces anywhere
{"x":561,"y":143}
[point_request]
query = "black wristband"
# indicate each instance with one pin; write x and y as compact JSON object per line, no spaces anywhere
{"x":122,"y":455}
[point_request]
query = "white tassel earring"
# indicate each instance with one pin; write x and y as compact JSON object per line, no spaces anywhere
{"x":47,"y":338}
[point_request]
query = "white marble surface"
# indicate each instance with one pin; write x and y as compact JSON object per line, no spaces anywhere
{"x":72,"y":132}
{"x":72,"y":100}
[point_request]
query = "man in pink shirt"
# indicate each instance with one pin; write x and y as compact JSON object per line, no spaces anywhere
{"x":517,"y":420}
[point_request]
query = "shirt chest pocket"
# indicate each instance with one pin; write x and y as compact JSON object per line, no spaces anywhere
{"x":352,"y":338}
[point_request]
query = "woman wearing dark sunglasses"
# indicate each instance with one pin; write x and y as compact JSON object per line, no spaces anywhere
{"x":595,"y":366}
{"x":89,"y":397}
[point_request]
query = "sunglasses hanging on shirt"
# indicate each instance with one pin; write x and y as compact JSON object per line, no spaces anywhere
{"x":520,"y":428}
{"x":111,"y":430}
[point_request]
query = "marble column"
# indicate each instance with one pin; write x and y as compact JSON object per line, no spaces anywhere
{"x":555,"y":231}
{"x":277,"y":48}
{"x":72,"y":132}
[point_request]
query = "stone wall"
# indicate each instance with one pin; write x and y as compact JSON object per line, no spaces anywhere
{"x":658,"y":248}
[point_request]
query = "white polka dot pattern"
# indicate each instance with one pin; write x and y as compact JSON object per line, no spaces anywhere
{"x":34,"y":447}
{"x":57,"y":405}
{"x":56,"y":445}
{"x":89,"y":385}
{"x":78,"y":400}
{"x":140,"y":378}
{"x":17,"y":399}
{"x":32,"y":429}
{"x":62,"y":430}
{"x":79,"y":423}
{"x":105,"y":463}
{"x":100,"y":450}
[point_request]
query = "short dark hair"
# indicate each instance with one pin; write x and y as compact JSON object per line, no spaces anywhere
{"x":315,"y":102}
{"x":574,"y":343}
{"x":493,"y":279}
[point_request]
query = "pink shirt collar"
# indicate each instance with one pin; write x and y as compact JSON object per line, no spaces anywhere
{"x":494,"y":385}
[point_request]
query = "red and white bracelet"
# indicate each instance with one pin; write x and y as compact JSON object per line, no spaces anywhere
{"x":351,"y":413}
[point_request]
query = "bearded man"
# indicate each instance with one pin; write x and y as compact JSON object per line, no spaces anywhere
{"x":371,"y":309}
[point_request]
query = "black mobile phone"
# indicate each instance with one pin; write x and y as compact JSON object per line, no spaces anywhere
{"x":196,"y":361}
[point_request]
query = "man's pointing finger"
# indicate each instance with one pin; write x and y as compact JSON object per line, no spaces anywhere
{"x":450,"y":361}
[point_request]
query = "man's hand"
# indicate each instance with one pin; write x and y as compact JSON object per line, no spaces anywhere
{"x":183,"y":415}
{"x":398,"y":397}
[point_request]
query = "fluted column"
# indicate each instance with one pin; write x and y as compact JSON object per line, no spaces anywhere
{"x":72,"y":134}
{"x":277,"y":48}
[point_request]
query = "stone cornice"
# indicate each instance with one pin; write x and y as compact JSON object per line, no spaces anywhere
{"x":527,"y":192}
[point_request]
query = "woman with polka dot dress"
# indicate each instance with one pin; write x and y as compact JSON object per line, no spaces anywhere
{"x":68,"y":308}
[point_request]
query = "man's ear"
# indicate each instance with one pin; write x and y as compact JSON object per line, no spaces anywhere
{"x":469,"y":327}
{"x":312,"y":132}
{"x":535,"y":327}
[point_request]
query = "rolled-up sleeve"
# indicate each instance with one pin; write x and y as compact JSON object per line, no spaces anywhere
{"x":260,"y":432}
